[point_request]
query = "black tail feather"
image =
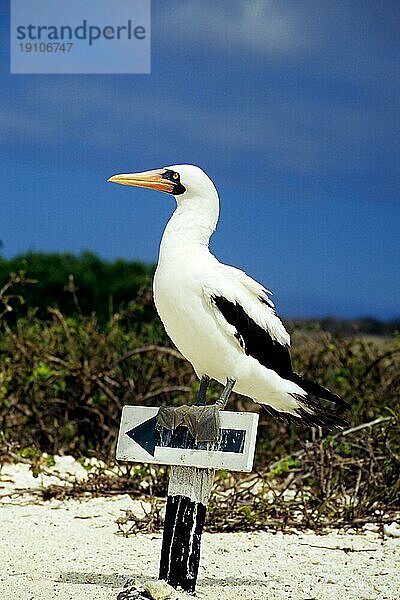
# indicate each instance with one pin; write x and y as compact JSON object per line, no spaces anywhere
{"x":310,"y":411}
{"x":313,"y":388}
{"x":311,"y":414}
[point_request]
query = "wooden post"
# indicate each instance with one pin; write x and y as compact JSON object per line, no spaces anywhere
{"x":192,"y":475}
{"x":188,"y":494}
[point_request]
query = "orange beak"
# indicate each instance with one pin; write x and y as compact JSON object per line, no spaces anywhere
{"x":148,"y":179}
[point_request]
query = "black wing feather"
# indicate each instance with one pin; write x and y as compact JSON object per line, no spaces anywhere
{"x":259,"y":344}
{"x":256,"y":341}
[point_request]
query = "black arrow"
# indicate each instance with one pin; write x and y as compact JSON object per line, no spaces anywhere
{"x":144,"y":435}
{"x":148,"y":435}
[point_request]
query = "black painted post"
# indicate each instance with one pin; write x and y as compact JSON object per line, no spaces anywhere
{"x":188,"y":494}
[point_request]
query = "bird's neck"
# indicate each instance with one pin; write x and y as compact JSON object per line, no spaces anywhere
{"x":192,"y":223}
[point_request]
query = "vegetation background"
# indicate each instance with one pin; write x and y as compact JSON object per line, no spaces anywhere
{"x":80,"y":338}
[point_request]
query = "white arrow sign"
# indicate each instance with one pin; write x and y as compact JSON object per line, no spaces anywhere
{"x":140,"y":440}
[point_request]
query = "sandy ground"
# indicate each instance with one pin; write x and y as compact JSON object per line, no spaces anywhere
{"x":70,"y":550}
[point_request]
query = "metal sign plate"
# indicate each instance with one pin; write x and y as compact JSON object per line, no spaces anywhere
{"x":140,"y":440}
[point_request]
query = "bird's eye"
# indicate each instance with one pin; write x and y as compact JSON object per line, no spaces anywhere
{"x":175,"y":176}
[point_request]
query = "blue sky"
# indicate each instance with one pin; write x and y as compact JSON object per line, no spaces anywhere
{"x":292,"y":107}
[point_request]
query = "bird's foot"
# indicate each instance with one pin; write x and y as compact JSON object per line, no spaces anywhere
{"x":226,"y":392}
{"x":202,"y":394}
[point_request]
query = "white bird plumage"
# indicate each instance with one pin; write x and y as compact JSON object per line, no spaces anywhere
{"x":218,"y":317}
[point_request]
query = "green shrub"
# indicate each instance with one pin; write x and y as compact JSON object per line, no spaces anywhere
{"x":64,"y":380}
{"x":78,"y":284}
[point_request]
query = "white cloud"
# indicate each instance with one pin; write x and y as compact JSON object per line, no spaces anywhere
{"x":286,"y":131}
{"x":257,"y":26}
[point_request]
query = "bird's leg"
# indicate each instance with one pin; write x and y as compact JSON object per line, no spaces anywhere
{"x":226,"y":392}
{"x":201,"y":396}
